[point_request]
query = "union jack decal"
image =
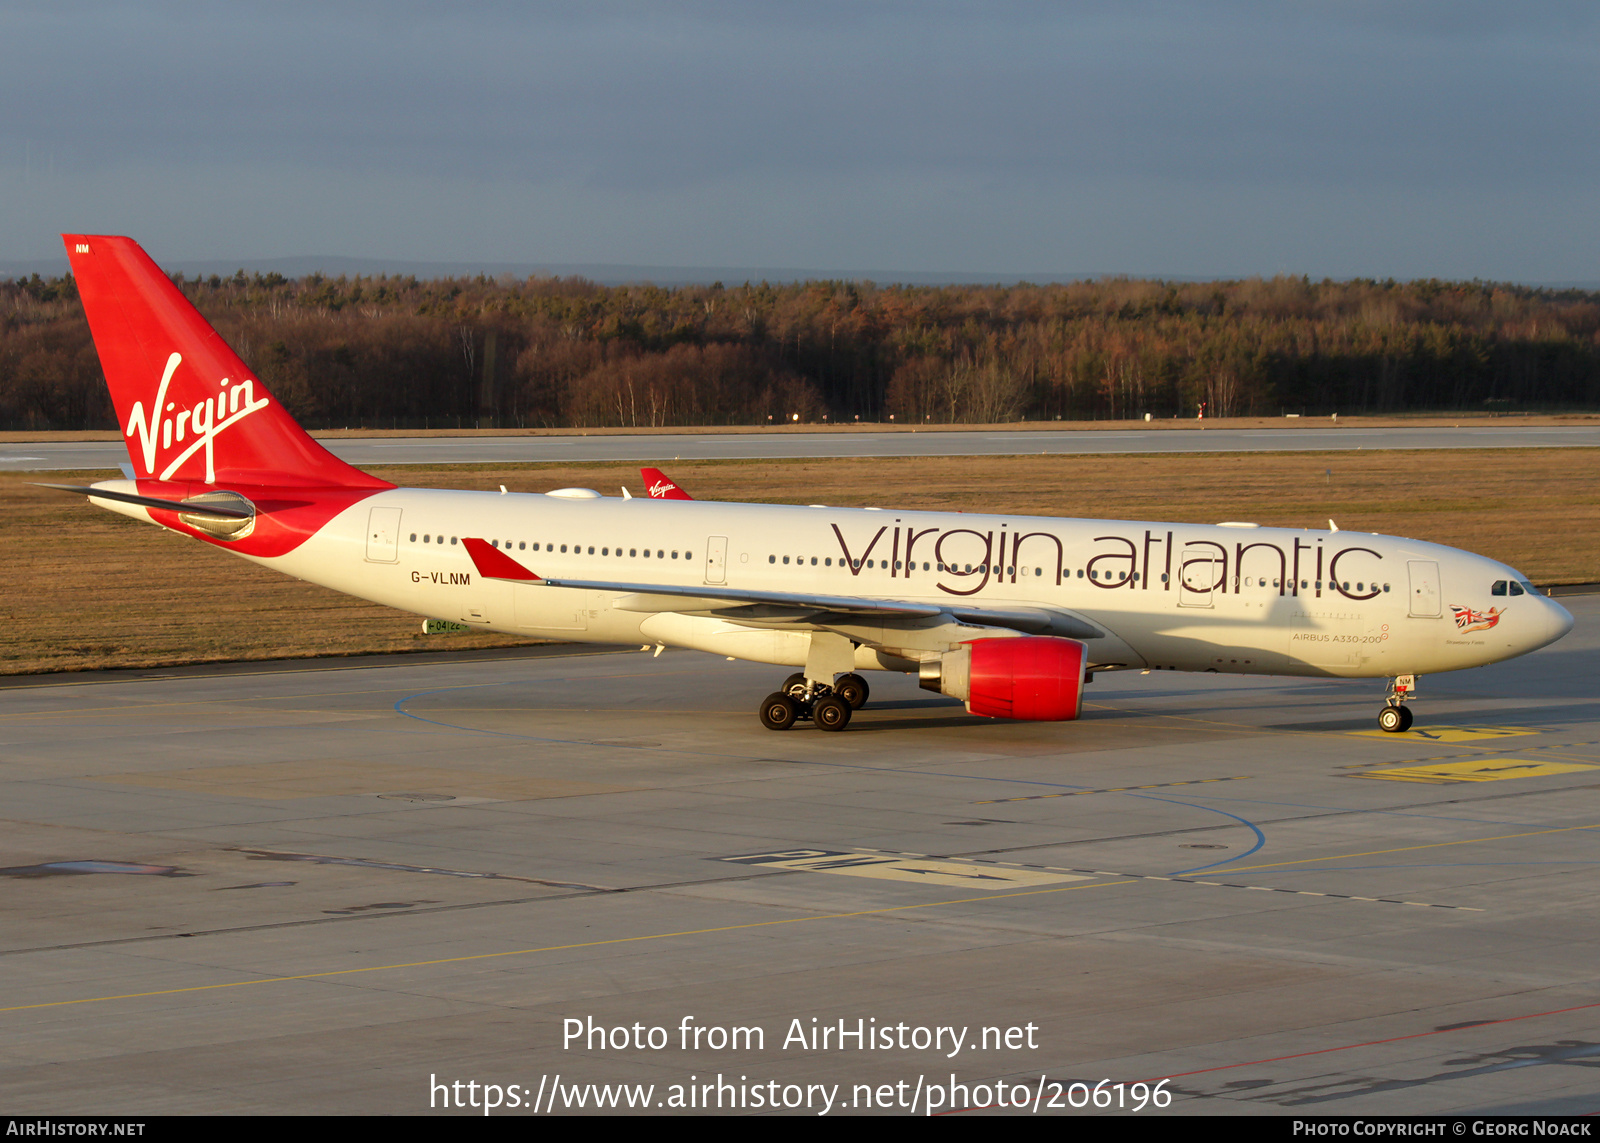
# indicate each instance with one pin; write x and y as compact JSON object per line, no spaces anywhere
{"x":1470,"y":620}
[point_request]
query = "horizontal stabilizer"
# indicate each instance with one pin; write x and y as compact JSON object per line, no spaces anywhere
{"x":187,"y":508}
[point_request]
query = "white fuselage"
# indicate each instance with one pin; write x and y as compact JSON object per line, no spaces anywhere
{"x":1228,"y":598}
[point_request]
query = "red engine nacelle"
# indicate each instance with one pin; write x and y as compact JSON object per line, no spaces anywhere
{"x":1034,"y":677}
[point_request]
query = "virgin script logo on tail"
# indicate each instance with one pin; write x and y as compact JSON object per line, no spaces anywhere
{"x":166,"y":426}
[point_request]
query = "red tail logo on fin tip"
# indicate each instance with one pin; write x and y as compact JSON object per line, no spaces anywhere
{"x":660,"y":488}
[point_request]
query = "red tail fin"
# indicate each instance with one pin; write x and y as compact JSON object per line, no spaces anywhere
{"x":660,"y":488}
{"x":191,"y":410}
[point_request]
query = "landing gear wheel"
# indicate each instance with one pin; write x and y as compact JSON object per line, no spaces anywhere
{"x":778,"y":711}
{"x":794,"y":686}
{"x":1395,"y":719}
{"x":831,"y":713}
{"x":853,"y":689}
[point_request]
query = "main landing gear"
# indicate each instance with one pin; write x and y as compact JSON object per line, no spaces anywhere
{"x":829,"y":707}
{"x":1395,"y":717}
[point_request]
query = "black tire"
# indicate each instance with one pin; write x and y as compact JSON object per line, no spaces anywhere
{"x":1394,"y":719}
{"x":1405,"y":718}
{"x":778,"y":711}
{"x":853,"y":689}
{"x":831,"y":713}
{"x":794,"y":686}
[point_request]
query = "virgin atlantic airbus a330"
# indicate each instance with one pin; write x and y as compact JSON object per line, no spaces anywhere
{"x":1010,"y":613}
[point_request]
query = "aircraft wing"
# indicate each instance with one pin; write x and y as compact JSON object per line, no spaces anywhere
{"x":761,"y":608}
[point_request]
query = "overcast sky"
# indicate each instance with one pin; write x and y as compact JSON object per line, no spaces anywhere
{"x":1199,"y":138}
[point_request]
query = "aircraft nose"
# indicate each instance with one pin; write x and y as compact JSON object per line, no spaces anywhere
{"x":1560,"y":619}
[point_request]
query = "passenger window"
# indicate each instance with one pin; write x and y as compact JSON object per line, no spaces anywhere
{"x":426,"y":539}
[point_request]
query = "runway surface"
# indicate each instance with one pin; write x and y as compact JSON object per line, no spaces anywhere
{"x":92,"y":455}
{"x":349,"y":890}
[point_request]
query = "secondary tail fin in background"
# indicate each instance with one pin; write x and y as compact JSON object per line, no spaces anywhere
{"x":190,"y":409}
{"x":660,"y":488}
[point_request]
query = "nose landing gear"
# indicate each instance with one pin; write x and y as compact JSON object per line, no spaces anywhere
{"x":1395,"y":717}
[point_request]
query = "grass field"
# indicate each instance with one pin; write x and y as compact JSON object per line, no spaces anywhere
{"x":86,"y":589}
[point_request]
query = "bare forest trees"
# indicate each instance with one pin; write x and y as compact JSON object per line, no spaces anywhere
{"x":384,"y":351}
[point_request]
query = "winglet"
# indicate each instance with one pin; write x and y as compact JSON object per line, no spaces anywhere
{"x":660,"y":487}
{"x":492,"y":563}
